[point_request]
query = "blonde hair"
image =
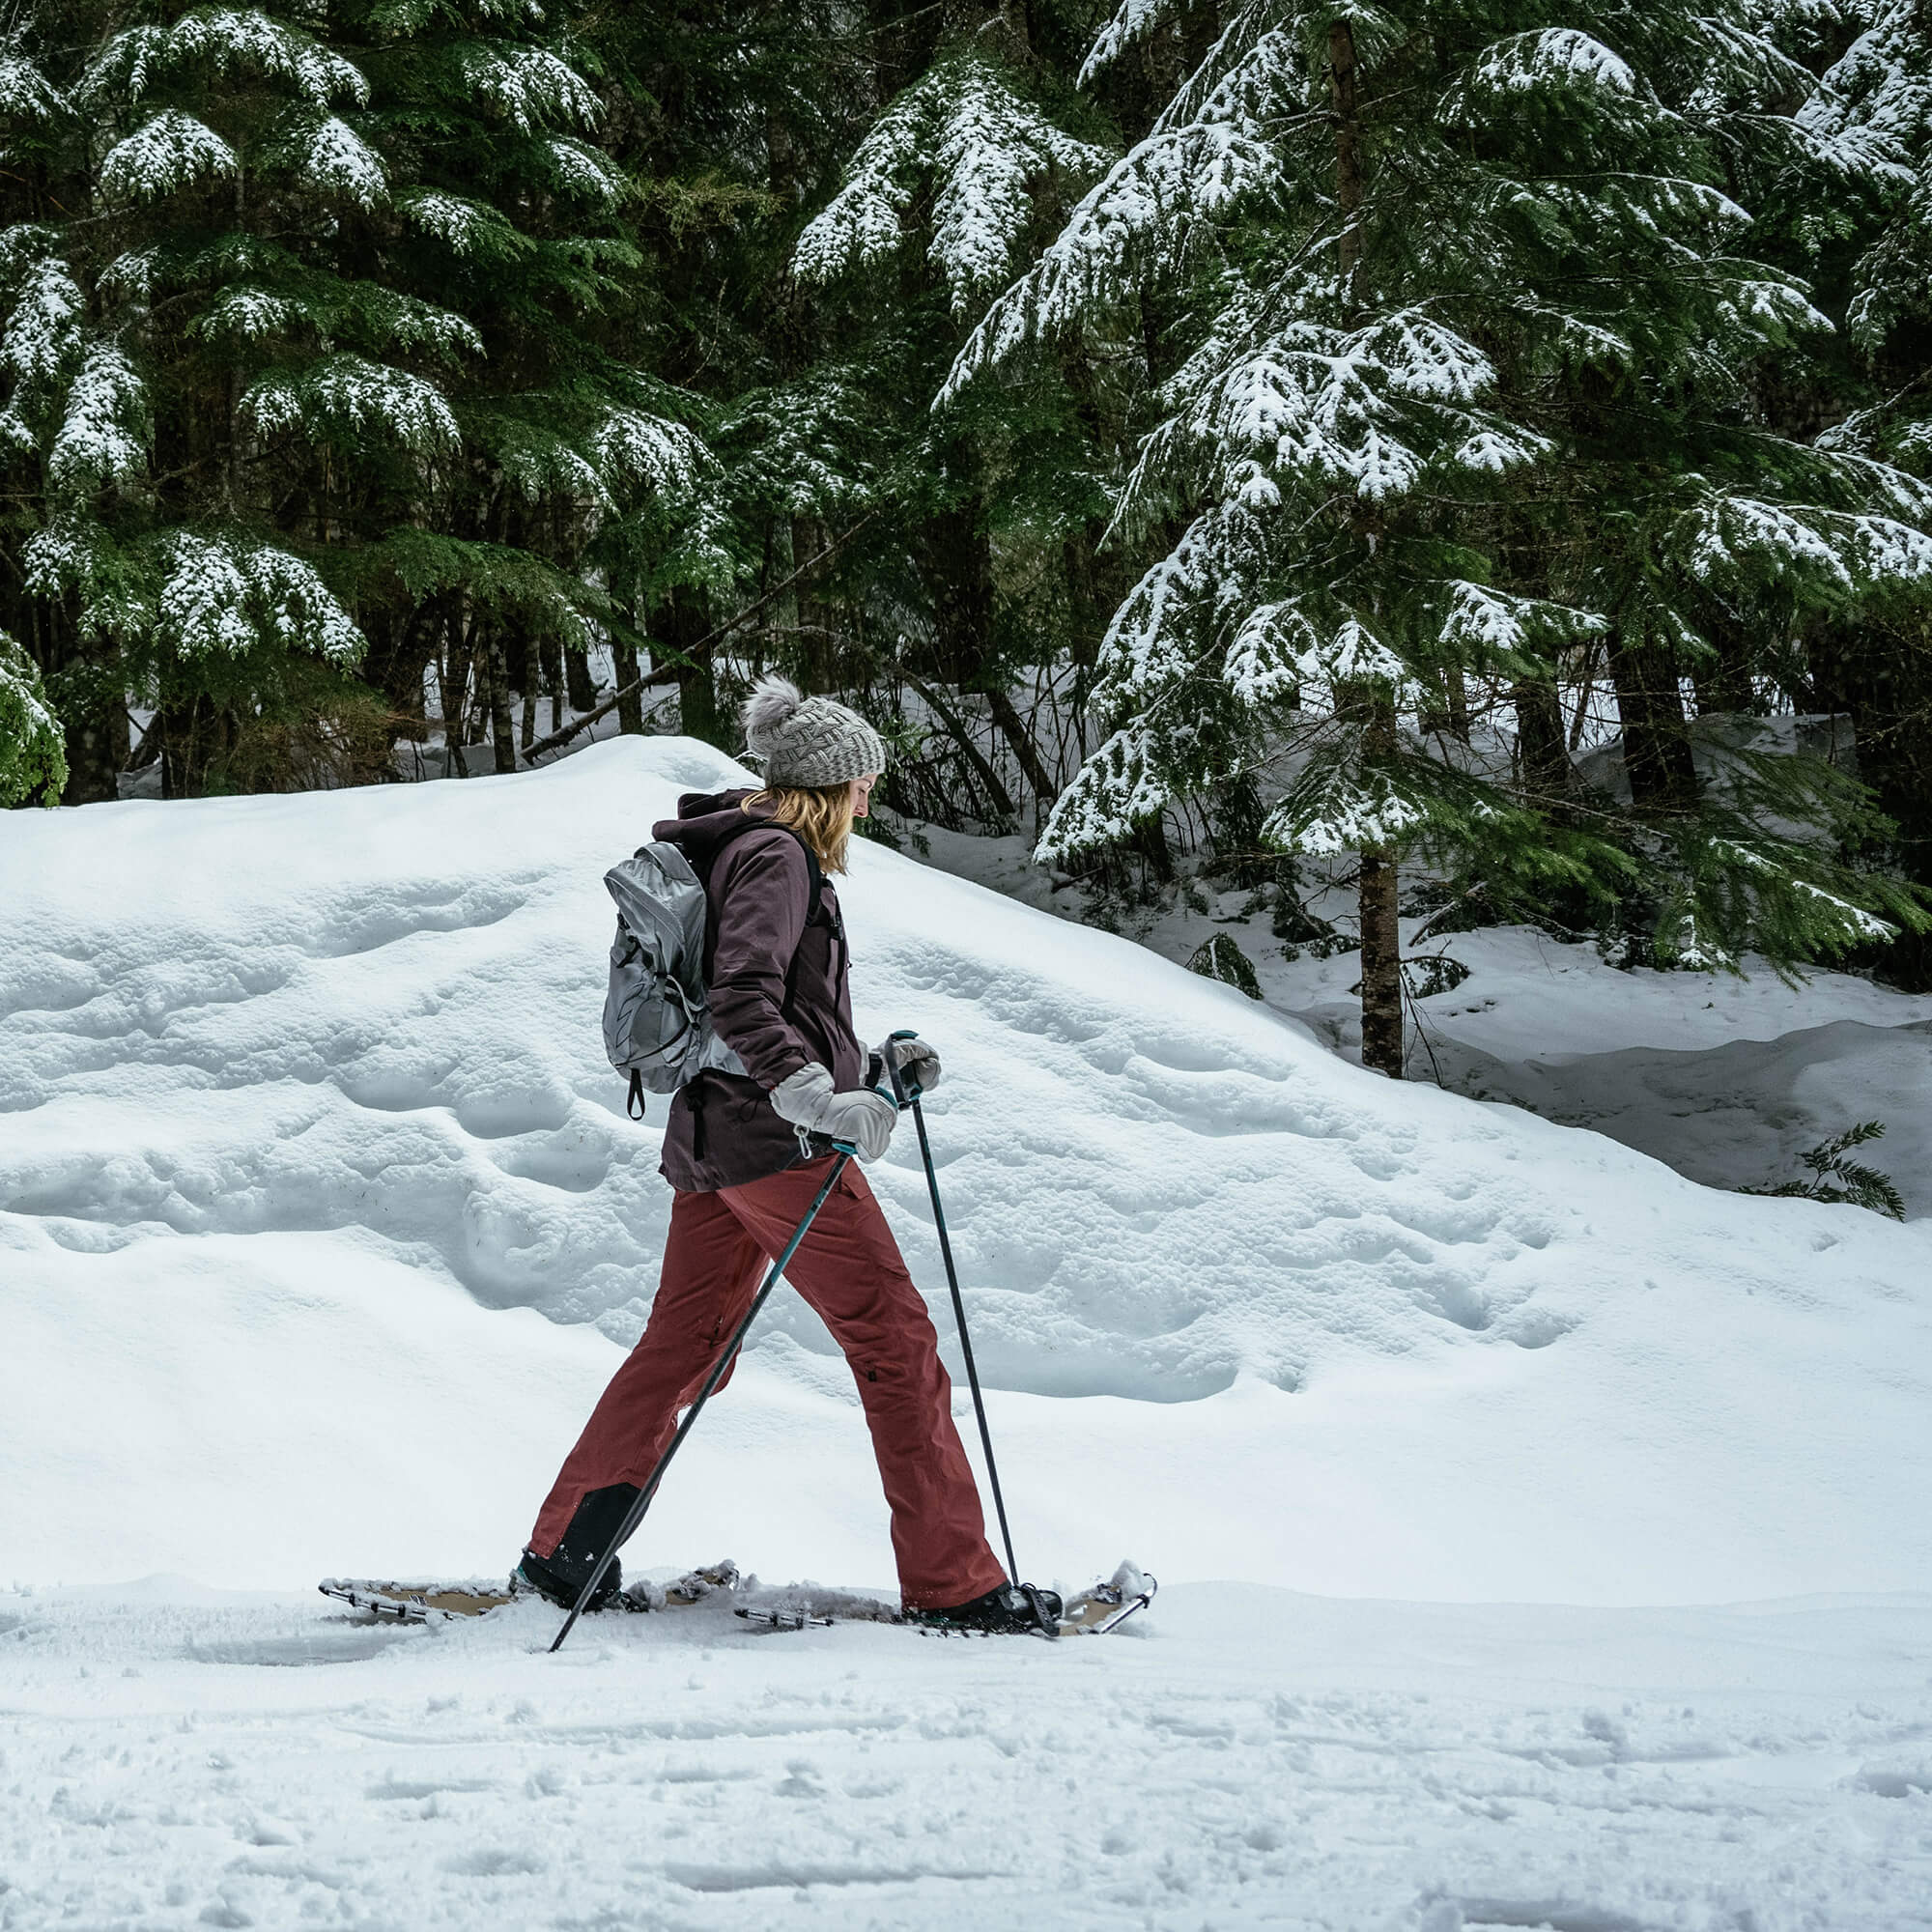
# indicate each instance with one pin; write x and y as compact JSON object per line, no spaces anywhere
{"x":820,"y":814}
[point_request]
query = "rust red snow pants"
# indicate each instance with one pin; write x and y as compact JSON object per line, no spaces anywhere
{"x":850,"y":1271}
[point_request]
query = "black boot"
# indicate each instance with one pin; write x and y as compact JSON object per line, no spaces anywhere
{"x":561,"y":1574}
{"x":1011,"y":1611}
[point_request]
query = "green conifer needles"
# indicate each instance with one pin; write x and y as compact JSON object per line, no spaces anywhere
{"x":1469,"y":393}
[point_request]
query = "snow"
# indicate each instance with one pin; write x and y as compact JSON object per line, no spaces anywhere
{"x":181,"y":1758}
{"x":321,"y":1225}
{"x":1726,"y":1079}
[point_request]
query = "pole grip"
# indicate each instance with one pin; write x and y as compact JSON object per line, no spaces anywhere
{"x":904,"y":1092}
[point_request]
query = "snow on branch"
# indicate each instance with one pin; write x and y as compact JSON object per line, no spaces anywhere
{"x":583,"y":174}
{"x":337,"y":160}
{"x":172,"y":150}
{"x":992,"y":146}
{"x":26,"y":93}
{"x":1479,"y":620}
{"x":1132,"y":22}
{"x":103,"y":434}
{"x":1195,"y":174}
{"x":33,"y":756}
{"x":1735,"y":540}
{"x":245,"y":314}
{"x":982,"y":147}
{"x":1745,"y":62}
{"x":1263,"y":664}
{"x":1115,"y":790}
{"x":43,"y":335}
{"x":464,"y":227}
{"x":223,"y":40}
{"x":531,"y":87}
{"x":345,"y":395}
{"x":1338,"y":405}
{"x":649,"y":452}
{"x":1339,"y":804}
{"x":1142,"y":651}
{"x":1553,"y":57}
{"x":229,"y":596}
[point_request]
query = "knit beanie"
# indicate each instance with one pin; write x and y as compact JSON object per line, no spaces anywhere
{"x":808,"y":742}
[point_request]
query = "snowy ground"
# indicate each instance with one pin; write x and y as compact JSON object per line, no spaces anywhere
{"x":321,"y":1225}
{"x":1256,"y":1759}
{"x":1728,"y":1080}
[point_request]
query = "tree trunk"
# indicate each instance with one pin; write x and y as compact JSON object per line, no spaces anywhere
{"x":190,"y":735}
{"x":1657,"y":746}
{"x":452,"y":697}
{"x":502,"y":731}
{"x":956,"y":561}
{"x":1722,"y":681}
{"x":687,"y":621}
{"x":814,"y":621}
{"x":631,"y":709}
{"x":553,"y":672}
{"x":1381,"y":965}
{"x":1543,"y":760}
{"x":1377,"y":890}
{"x":578,"y":684}
{"x":1375,"y":903}
{"x":1020,"y":741}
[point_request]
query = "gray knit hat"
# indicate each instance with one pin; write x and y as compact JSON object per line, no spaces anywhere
{"x":808,"y":741}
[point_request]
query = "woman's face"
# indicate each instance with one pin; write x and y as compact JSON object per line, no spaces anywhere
{"x":862,"y":792}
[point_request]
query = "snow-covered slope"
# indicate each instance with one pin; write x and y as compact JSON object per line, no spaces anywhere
{"x":323,"y":1224}
{"x":1729,"y":1080}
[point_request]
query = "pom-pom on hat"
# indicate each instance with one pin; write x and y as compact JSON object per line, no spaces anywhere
{"x":809,"y":742}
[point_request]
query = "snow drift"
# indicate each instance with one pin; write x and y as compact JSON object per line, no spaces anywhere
{"x":323,"y":1223}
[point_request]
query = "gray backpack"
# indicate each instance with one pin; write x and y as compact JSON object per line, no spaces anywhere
{"x":657,"y":1021}
{"x":657,"y":1015}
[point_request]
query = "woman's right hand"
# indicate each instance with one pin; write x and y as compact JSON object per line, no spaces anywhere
{"x":863,"y":1117}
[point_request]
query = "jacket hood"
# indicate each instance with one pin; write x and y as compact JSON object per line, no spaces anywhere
{"x":705,"y":821}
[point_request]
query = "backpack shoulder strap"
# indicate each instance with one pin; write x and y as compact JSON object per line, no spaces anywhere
{"x":814,"y":872}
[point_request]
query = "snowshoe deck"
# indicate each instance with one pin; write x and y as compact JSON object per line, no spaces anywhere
{"x":1092,"y":1613}
{"x":437,"y":1602}
{"x":1107,"y":1606}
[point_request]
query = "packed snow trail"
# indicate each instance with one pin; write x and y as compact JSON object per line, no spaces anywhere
{"x":1256,"y":1761}
{"x":321,"y":1225}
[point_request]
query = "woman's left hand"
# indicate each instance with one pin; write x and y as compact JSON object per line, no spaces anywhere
{"x":916,"y":1061}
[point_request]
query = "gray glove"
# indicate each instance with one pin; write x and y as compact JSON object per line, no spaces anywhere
{"x":916,"y":1061}
{"x":863,"y":1118}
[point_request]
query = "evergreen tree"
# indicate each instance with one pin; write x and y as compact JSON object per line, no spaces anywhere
{"x":1467,"y":393}
{"x":1875,"y":253}
{"x":298,"y":342}
{"x":33,"y":758}
{"x":940,"y":203}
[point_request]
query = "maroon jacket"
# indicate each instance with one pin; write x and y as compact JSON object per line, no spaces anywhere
{"x":778,"y":996}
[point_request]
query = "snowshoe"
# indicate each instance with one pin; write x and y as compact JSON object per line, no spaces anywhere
{"x":1106,"y":1606}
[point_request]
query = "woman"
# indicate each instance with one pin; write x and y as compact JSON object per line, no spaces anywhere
{"x":747,"y":1153}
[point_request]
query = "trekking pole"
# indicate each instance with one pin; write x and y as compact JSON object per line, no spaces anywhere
{"x":635,"y":1515}
{"x":907,"y":1095}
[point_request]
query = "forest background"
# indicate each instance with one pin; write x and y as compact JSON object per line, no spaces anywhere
{"x":1469,"y":454}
